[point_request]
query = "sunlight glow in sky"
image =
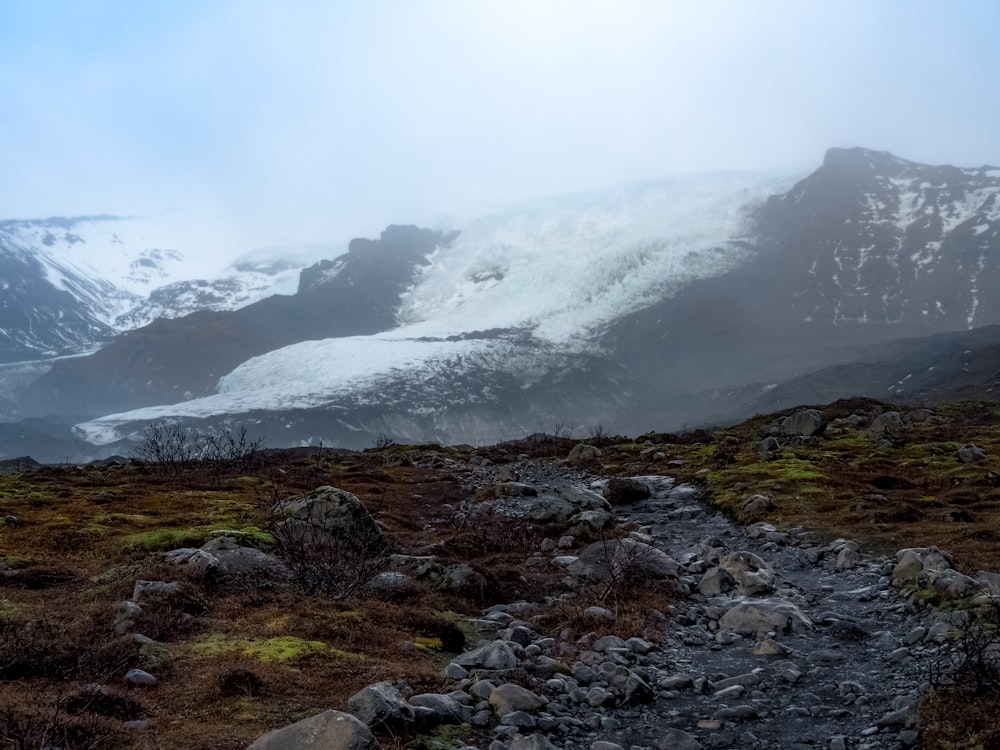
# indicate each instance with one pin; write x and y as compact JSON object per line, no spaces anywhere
{"x":319,"y":120}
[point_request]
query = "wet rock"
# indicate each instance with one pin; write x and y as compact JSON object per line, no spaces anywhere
{"x":623,"y":491}
{"x":761,"y":616}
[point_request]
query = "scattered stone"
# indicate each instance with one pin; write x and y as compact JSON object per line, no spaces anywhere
{"x":970,"y":454}
{"x":139,"y":678}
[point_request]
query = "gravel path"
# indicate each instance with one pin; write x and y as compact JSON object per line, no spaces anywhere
{"x":840,"y":669}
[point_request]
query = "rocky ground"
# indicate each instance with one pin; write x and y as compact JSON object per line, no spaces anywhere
{"x":771,"y":585}
{"x":775,"y":639}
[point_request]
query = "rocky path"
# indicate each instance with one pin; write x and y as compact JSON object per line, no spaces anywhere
{"x":781,"y":642}
{"x":775,"y":641}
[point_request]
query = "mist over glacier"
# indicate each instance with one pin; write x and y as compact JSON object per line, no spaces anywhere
{"x":516,"y":294}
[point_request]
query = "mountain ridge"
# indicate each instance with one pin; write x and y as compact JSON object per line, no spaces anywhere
{"x":665,"y":301}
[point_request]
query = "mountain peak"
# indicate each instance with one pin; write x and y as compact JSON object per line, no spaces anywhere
{"x":865,"y":159}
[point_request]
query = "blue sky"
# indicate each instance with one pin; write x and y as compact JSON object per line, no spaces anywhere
{"x":302,"y":121}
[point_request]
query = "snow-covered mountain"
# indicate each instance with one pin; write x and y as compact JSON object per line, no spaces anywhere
{"x":643,"y":307}
{"x":69,"y":284}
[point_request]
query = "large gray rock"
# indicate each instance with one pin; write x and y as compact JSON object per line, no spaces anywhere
{"x":327,"y":517}
{"x":380,"y":704}
{"x":912,"y":562}
{"x":435,"y":708}
{"x":620,"y":558}
{"x":751,"y":573}
{"x":970,"y":454}
{"x":584,"y":452}
{"x":228,"y":556}
{"x":759,"y":616}
{"x":805,"y":423}
{"x":886,"y":425}
{"x":330,"y":730}
{"x":493,"y":655}
{"x":510,"y":697}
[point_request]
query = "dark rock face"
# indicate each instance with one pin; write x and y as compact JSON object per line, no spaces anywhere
{"x":868,"y":248}
{"x":870,"y":237}
{"x":172,"y":360}
{"x":38,"y":317}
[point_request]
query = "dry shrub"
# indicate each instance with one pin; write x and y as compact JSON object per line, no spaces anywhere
{"x":103,"y":701}
{"x":29,"y":721}
{"x":239,"y":681}
{"x":63,"y":649}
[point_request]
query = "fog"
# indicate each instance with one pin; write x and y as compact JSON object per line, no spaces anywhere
{"x":318,"y":121}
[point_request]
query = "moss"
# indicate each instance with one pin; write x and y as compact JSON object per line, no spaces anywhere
{"x":428,"y":643}
{"x":161,"y":540}
{"x":279,"y":648}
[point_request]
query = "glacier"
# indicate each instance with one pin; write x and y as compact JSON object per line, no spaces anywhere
{"x":519,"y":292}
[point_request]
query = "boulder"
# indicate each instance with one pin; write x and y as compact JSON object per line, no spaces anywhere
{"x":888,"y":424}
{"x":510,"y":697}
{"x":380,"y":705}
{"x":804,"y":423}
{"x":970,"y":454}
{"x":583,"y":452}
{"x":625,"y":490}
{"x":493,"y":655}
{"x":330,"y":730}
{"x":756,"y":505}
{"x":617,"y":558}
{"x":327,"y":517}
{"x":227,"y":556}
{"x":760,"y":616}
{"x":751,"y":573}
{"x":441,"y":709}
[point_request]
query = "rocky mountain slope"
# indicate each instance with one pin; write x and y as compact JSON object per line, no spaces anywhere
{"x":171,"y":360}
{"x":650,"y":306}
{"x":71,"y":284}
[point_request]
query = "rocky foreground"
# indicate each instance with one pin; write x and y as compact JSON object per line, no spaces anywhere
{"x":775,"y":639}
{"x":675,"y":591}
